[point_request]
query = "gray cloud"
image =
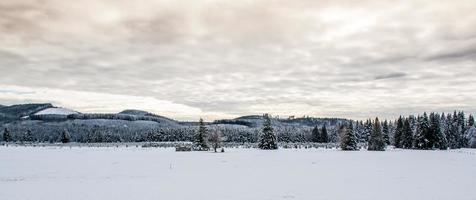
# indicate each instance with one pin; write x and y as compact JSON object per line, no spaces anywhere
{"x":231,"y":58}
{"x":390,"y":75}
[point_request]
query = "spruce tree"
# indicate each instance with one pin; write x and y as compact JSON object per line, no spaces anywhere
{"x":7,"y":137}
{"x":450,"y":132}
{"x":268,"y":140}
{"x":376,"y":141}
{"x":367,"y":131}
{"x":316,"y":135}
{"x":324,"y":134}
{"x":407,"y":137}
{"x":422,"y":138}
{"x":65,"y":137}
{"x":470,"y":121}
{"x":433,"y":130}
{"x":200,"y":142}
{"x":348,"y":141}
{"x":386,"y":132}
{"x":398,"y":133}
{"x":456,"y":131}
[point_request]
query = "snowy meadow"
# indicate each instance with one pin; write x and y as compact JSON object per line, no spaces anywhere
{"x":54,"y":172}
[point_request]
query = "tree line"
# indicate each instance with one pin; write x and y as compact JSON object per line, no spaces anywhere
{"x":433,"y":131}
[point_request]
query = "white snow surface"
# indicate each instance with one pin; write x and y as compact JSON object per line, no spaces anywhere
{"x":103,"y":173}
{"x":56,"y":111}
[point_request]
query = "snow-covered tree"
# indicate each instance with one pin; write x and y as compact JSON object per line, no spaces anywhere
{"x":463,"y":142}
{"x":398,"y":133}
{"x":28,"y":136}
{"x":65,"y":137}
{"x":268,"y":138}
{"x":316,"y":135}
{"x":407,"y":135}
{"x":422,"y":138}
{"x":7,"y":137}
{"x":324,"y":134}
{"x":216,"y":139}
{"x":386,"y":132}
{"x":348,"y":140}
{"x":366,"y":131}
{"x":376,"y":141}
{"x":200,"y":142}
{"x":472,"y":136}
{"x":470,"y":121}
{"x":437,"y":135}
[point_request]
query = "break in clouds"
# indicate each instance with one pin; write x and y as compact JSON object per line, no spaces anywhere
{"x":225,"y":58}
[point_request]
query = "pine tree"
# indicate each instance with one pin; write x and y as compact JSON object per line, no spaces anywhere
{"x":65,"y":137}
{"x":324,"y":134}
{"x":399,"y":133}
{"x":407,"y":137}
{"x":268,"y":138}
{"x":7,"y":137}
{"x":376,"y":141}
{"x":348,"y":141}
{"x":316,"y":135}
{"x":200,"y":142}
{"x":386,"y":132}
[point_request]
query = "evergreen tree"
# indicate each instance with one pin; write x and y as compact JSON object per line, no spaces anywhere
{"x":463,"y":142}
{"x":367,"y":131}
{"x":65,"y":137}
{"x":422,"y":140}
{"x":407,"y":137}
{"x":376,"y":141}
{"x":359,"y":130}
{"x":7,"y":137}
{"x":437,"y":133}
{"x":470,"y":120}
{"x":386,"y":132}
{"x":434,"y":130}
{"x":316,"y":135}
{"x":456,"y":131}
{"x":268,"y":138}
{"x":28,"y":136}
{"x":399,"y":133}
{"x":200,"y":142}
{"x":348,"y":140}
{"x":324,"y":134}
{"x":450,"y":132}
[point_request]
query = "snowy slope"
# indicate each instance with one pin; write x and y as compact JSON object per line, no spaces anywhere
{"x":56,"y":111}
{"x":239,"y":174}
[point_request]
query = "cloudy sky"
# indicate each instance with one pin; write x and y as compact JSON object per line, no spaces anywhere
{"x":226,"y":58}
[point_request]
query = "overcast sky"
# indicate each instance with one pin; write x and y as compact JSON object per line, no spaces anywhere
{"x":226,"y":58}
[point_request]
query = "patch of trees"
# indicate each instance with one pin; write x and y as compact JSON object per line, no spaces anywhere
{"x":434,"y":131}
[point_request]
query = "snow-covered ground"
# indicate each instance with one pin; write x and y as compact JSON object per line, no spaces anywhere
{"x":242,"y":174}
{"x":56,"y":111}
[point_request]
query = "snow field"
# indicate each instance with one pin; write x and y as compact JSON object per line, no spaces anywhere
{"x":242,"y":174}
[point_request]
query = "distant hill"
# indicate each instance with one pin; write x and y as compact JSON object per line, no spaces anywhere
{"x":46,"y":123}
{"x":15,"y":112}
{"x":144,"y":113}
{"x":257,"y":121}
